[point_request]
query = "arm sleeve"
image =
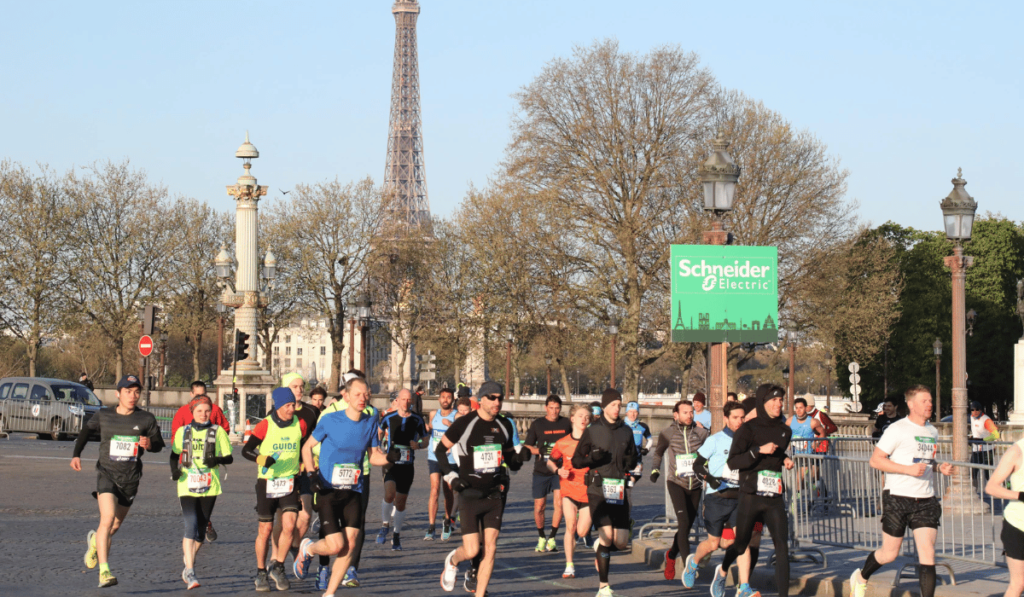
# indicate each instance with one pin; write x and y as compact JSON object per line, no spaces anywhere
{"x":742,"y":453}
{"x":442,"y":459}
{"x":581,"y":457}
{"x":93,"y":424}
{"x":700,"y":466}
{"x":531,"y":435}
{"x":631,"y":456}
{"x":224,"y":447}
{"x":659,"y":451}
{"x":251,"y":448}
{"x":156,"y":440}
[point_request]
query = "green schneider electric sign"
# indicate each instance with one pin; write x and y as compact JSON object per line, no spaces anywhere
{"x":724,"y":293}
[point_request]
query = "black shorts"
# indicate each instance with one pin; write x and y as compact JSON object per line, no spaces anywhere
{"x":266,"y":507}
{"x":900,"y":512}
{"x":305,"y":485}
{"x":579,"y":505}
{"x":1013,"y":541}
{"x":339,"y":509}
{"x":719,"y":513}
{"x":477,"y":513}
{"x":401,"y":475}
{"x":604,"y":514}
{"x":125,"y":494}
{"x":544,"y":484}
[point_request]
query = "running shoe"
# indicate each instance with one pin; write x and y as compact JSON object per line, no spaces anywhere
{"x":382,"y":535}
{"x":446,"y":531}
{"x":450,"y":574}
{"x":718,"y":583}
{"x":857,"y":585}
{"x":670,"y":567}
{"x":92,"y":559}
{"x":746,"y":590}
{"x":314,"y":527}
{"x":690,"y":572}
{"x":323,"y":576}
{"x":588,"y":541}
{"x":551,"y":545}
{"x":300,"y":567}
{"x":570,"y":571}
{"x":606,"y":591}
{"x":542,"y":545}
{"x":107,"y":579}
{"x":396,"y":543}
{"x":470,"y":582}
{"x":276,"y":573}
{"x":430,"y":534}
{"x":261,"y":581}
{"x":351,"y":578}
{"x":190,"y":579}
{"x":211,"y":533}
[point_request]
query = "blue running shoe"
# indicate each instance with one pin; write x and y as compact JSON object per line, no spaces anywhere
{"x":300,"y":566}
{"x":323,"y":576}
{"x":746,"y":590}
{"x":382,"y":535}
{"x":351,"y":578}
{"x":718,"y":584}
{"x":446,"y":531}
{"x":689,"y":572}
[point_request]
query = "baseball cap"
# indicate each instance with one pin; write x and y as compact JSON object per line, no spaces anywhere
{"x":880,"y":408}
{"x":129,"y":381}
{"x":975,"y":405}
{"x":633,"y":406}
{"x":488,"y":388}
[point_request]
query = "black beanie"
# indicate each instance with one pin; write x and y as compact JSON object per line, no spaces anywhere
{"x":610,"y":395}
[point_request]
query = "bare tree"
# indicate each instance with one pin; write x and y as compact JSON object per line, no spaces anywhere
{"x":38,"y":232}
{"x":121,"y":263}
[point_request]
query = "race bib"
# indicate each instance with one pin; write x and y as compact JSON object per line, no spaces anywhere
{"x":925,"y":449}
{"x":730,"y":476}
{"x":277,"y":488}
{"x":199,"y":482}
{"x":346,"y":476}
{"x":769,"y":483}
{"x":684,"y":465}
{"x":486,"y":458}
{"x":124,"y":448}
{"x":614,"y":491}
{"x":405,"y":454}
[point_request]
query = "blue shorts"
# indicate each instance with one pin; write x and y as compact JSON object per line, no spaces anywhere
{"x":435,"y":469}
{"x":544,"y":484}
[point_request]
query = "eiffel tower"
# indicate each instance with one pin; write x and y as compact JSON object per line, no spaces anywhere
{"x":404,"y":172}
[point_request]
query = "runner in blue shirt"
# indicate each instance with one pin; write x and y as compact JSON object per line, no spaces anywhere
{"x":347,"y":436}
{"x":438,"y":423}
{"x":641,"y":437}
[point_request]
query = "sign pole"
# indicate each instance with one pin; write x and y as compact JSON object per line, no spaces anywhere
{"x":719,"y":384}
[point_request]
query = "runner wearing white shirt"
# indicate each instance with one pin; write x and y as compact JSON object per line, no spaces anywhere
{"x":906,"y":453}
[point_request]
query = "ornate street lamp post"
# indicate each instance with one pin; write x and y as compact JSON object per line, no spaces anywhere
{"x":719,"y":175}
{"x":547,"y":360}
{"x":363,"y":305}
{"x":958,"y":216}
{"x":828,"y":382}
{"x":937,"y":347}
{"x":613,"y":331}
{"x":791,"y":390}
{"x":508,"y":366}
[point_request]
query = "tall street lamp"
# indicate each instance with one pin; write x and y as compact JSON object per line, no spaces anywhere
{"x":163,"y":356}
{"x":791,"y":349}
{"x":363,"y":306}
{"x":613,"y":330}
{"x":221,"y":310}
{"x":719,"y":175}
{"x":958,"y":216}
{"x":547,"y":360}
{"x":828,"y":382}
{"x":508,"y":365}
{"x":937,"y":347}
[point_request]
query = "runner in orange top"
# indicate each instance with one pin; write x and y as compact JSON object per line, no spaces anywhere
{"x":574,"y":487}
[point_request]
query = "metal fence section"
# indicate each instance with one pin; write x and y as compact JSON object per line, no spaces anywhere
{"x":55,"y":418}
{"x":164,"y":415}
{"x":837,"y":500}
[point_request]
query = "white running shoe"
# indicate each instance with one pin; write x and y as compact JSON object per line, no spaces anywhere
{"x":450,"y":574}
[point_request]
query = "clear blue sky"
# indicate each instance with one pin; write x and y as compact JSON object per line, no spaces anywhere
{"x":903,"y":92}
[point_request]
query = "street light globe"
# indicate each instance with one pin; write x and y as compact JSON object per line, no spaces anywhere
{"x":719,"y":175}
{"x":958,"y":211}
{"x":223,"y":263}
{"x":937,"y":347}
{"x":270,"y":266}
{"x":547,"y":359}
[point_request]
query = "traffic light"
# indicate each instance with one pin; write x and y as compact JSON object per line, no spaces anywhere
{"x":149,"y":319}
{"x":241,"y":345}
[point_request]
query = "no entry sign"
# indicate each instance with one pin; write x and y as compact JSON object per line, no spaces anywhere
{"x":145,"y":346}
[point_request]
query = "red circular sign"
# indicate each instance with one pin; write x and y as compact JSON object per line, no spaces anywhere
{"x":145,"y":346}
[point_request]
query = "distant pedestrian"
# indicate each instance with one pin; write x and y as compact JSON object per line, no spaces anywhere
{"x":887,"y":415}
{"x":983,"y":432}
{"x":701,"y":415}
{"x":85,"y":381}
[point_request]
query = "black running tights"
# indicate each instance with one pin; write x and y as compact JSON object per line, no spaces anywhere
{"x":772,"y":512}
{"x":686,"y":503}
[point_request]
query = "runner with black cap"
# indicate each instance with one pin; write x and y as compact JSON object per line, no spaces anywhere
{"x":608,"y":450}
{"x":758,"y":452}
{"x":482,"y":445}
{"x":125,"y":434}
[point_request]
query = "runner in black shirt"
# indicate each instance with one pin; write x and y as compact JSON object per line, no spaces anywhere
{"x":482,"y":445}
{"x":125,"y":435}
{"x":540,"y":440}
{"x":403,"y":431}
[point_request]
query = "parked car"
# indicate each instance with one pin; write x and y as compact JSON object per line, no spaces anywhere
{"x":53,"y":408}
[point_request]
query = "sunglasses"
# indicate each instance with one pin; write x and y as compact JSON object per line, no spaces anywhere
{"x":493,"y":397}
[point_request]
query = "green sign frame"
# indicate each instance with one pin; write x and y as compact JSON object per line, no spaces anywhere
{"x":724,"y":293}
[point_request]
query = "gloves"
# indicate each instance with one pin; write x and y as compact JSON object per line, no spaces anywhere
{"x":654,"y":475}
{"x":458,"y":485}
{"x":265,"y":461}
{"x":513,"y":460}
{"x":315,"y":483}
{"x":175,"y":468}
{"x":644,"y":451}
{"x":597,"y":455}
{"x":524,"y":455}
{"x":714,"y":482}
{"x":213,"y":461}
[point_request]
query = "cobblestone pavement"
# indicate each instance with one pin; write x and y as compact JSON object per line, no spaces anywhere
{"x":46,"y":510}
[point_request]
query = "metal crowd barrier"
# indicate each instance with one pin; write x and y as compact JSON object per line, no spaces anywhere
{"x":164,"y":415}
{"x":42,"y":416}
{"x":837,"y":500}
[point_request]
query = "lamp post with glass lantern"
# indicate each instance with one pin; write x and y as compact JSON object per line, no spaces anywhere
{"x":547,"y":361}
{"x":719,"y":175}
{"x":613,"y":331}
{"x":828,"y":382}
{"x":790,"y":372}
{"x":958,"y":210}
{"x":508,"y":366}
{"x":937,"y":347}
{"x":163,"y":356}
{"x":363,"y":308}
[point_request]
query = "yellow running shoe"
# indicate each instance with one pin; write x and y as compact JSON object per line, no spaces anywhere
{"x":107,"y":579}
{"x":92,"y":559}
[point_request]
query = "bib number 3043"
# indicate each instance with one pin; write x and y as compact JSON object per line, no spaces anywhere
{"x":486,"y":458}
{"x":769,"y":483}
